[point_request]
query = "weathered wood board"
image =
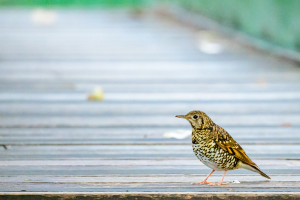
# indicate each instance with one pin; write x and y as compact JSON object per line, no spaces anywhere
{"x":55,"y":143}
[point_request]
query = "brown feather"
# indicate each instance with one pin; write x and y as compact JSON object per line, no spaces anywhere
{"x":224,"y":140}
{"x":228,"y":144}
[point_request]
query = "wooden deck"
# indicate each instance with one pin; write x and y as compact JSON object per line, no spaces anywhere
{"x":56,"y":143}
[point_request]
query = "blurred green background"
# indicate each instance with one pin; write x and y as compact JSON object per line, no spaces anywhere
{"x":102,"y":3}
{"x":274,"y":21}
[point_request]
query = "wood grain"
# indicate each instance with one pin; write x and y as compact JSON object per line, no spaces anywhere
{"x":54,"y":143}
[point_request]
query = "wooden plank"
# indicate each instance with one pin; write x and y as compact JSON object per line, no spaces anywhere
{"x":255,"y":63}
{"x":148,"y":152}
{"x":145,"y":108}
{"x":147,"y":121}
{"x":170,"y":77}
{"x":155,"y":97}
{"x":132,"y":68}
{"x":147,"y":179}
{"x":72,"y":55}
{"x":239,"y":133}
{"x":260,"y":149}
{"x":156,"y":132}
{"x":134,"y":194}
{"x":140,"y":162}
{"x":204,"y":66}
{"x":130,"y":170}
{"x":138,"y":74}
{"x":133,"y":141}
{"x":132,"y":156}
{"x":32,"y":86}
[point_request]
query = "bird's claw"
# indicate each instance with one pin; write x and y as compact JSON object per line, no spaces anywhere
{"x":202,"y":183}
{"x":220,"y":183}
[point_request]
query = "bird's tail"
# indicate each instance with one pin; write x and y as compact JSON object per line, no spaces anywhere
{"x":260,"y":172}
{"x":253,"y":168}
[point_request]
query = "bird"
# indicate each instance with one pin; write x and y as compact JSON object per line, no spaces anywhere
{"x":215,"y":147}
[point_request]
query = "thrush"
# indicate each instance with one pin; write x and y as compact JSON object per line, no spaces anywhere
{"x":215,"y":147}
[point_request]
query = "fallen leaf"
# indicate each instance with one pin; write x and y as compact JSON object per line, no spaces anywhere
{"x":97,"y":95}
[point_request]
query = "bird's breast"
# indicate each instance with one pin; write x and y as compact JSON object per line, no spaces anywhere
{"x":210,"y":154}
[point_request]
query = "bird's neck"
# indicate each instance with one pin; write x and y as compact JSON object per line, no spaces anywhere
{"x":207,"y":123}
{"x":199,"y":135}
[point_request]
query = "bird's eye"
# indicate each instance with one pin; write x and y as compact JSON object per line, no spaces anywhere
{"x":195,"y":116}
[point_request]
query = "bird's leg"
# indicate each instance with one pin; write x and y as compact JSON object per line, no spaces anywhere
{"x":204,"y":181}
{"x":221,"y":182}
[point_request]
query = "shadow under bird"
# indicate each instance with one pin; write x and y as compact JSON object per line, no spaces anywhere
{"x":215,"y":147}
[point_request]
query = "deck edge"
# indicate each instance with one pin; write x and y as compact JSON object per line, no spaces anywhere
{"x":149,"y":195}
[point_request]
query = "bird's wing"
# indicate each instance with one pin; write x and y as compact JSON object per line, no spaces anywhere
{"x":224,"y":140}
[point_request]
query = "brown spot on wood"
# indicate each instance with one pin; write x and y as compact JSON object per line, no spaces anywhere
{"x":286,"y":124}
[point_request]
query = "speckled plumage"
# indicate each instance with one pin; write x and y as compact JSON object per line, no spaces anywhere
{"x":215,"y":147}
{"x":210,"y":154}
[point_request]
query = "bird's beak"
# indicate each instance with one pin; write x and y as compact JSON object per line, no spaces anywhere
{"x":180,"y":116}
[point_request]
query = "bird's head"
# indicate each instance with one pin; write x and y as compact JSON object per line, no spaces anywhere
{"x":197,"y":119}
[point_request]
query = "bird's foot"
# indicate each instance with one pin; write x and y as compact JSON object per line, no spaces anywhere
{"x":202,"y":183}
{"x":220,"y":183}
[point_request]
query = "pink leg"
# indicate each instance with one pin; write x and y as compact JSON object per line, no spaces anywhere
{"x":221,"y":182}
{"x":204,"y":181}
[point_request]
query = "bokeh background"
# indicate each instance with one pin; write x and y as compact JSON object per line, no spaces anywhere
{"x":89,"y":91}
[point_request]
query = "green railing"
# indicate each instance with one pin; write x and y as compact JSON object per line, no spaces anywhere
{"x":101,"y":3}
{"x":276,"y":21}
